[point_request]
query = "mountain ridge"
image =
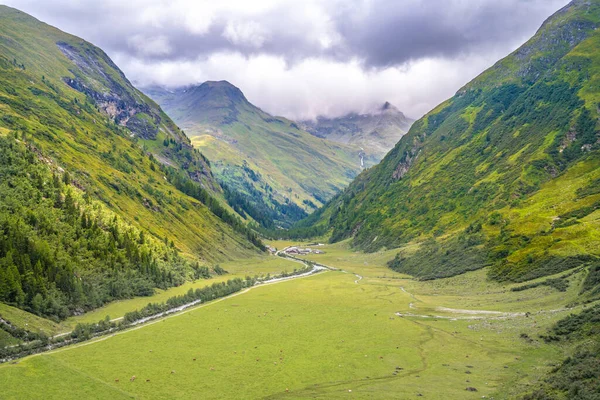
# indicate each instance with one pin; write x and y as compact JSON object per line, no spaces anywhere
{"x":103,"y":197}
{"x":279,"y":171}
{"x":483,"y":178}
{"x":376,"y":132}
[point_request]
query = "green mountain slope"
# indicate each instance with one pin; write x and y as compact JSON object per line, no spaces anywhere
{"x":101,"y":195}
{"x":376,"y":132}
{"x":506,"y":173}
{"x":282,"y":171}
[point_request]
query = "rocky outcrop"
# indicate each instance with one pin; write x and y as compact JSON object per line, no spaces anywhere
{"x":107,"y":93}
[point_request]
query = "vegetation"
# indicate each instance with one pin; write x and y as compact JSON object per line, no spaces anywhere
{"x":577,"y":376}
{"x":270,"y":324}
{"x":514,"y":153}
{"x":279,"y":172}
{"x":86,"y":215}
{"x":207,"y":293}
{"x":61,"y":251}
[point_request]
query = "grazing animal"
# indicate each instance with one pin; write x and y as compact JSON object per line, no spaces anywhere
{"x":173,"y":371}
{"x":147,"y":380}
{"x":194,"y":359}
{"x":132,"y":378}
{"x":116,"y":380}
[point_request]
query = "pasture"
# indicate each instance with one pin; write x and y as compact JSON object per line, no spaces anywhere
{"x":322,"y":336}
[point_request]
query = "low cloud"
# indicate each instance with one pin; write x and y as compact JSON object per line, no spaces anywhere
{"x":303,"y":58}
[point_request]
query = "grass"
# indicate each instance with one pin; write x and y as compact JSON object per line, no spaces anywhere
{"x":319,"y":337}
{"x":28,"y":321}
{"x":238,"y":268}
{"x":371,"y":265}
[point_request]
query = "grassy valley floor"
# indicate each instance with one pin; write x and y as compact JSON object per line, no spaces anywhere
{"x":331,"y":335}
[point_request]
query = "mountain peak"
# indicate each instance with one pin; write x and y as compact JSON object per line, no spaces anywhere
{"x":219,"y":91}
{"x":387,"y":106}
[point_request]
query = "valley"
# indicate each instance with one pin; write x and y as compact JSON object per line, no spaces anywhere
{"x":178,"y":241}
{"x":279,"y":172}
{"x":348,"y":340}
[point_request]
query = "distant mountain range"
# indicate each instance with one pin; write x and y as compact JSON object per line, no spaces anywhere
{"x":376,"y":132}
{"x":279,"y":171}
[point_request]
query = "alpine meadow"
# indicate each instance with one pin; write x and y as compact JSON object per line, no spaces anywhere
{"x":165,"y":234}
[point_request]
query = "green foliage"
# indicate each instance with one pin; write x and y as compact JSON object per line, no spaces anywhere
{"x":193,"y":189}
{"x":575,"y":379}
{"x":60,"y":253}
{"x":458,"y":254}
{"x":559,"y":284}
{"x":527,"y":126}
{"x":255,"y":206}
{"x":207,"y":293}
{"x":592,"y":281}
{"x":577,"y":376}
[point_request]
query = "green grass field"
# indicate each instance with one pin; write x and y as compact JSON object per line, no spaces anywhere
{"x":323,"y":336}
{"x":238,"y":268}
{"x":260,"y":265}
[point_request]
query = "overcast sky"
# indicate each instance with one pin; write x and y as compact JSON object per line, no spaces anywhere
{"x":302,"y":58}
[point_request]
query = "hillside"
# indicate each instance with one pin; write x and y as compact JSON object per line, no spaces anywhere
{"x":376,"y":132}
{"x":506,"y":173}
{"x":282,"y":172}
{"x":101,"y":195}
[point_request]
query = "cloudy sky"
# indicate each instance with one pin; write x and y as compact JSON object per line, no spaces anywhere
{"x":302,"y":58}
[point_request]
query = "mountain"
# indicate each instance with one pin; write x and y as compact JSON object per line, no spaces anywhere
{"x":101,"y":194}
{"x":376,"y":132}
{"x":281,"y":171}
{"x":506,"y":173}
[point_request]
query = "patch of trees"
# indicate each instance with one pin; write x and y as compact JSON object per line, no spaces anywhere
{"x":207,"y":293}
{"x":444,"y":258}
{"x":61,"y":252}
{"x":557,"y":283}
{"x":591,"y":284}
{"x":255,"y":206}
{"x":193,"y":189}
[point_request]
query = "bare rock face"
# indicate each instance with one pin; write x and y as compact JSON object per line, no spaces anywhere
{"x":107,"y":93}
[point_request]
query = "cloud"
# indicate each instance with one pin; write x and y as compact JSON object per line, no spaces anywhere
{"x":301,"y":58}
{"x":245,"y":33}
{"x":150,"y":46}
{"x":315,"y":86}
{"x":386,"y":33}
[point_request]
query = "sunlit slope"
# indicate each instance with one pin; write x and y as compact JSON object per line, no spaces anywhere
{"x":506,"y":173}
{"x":99,"y":187}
